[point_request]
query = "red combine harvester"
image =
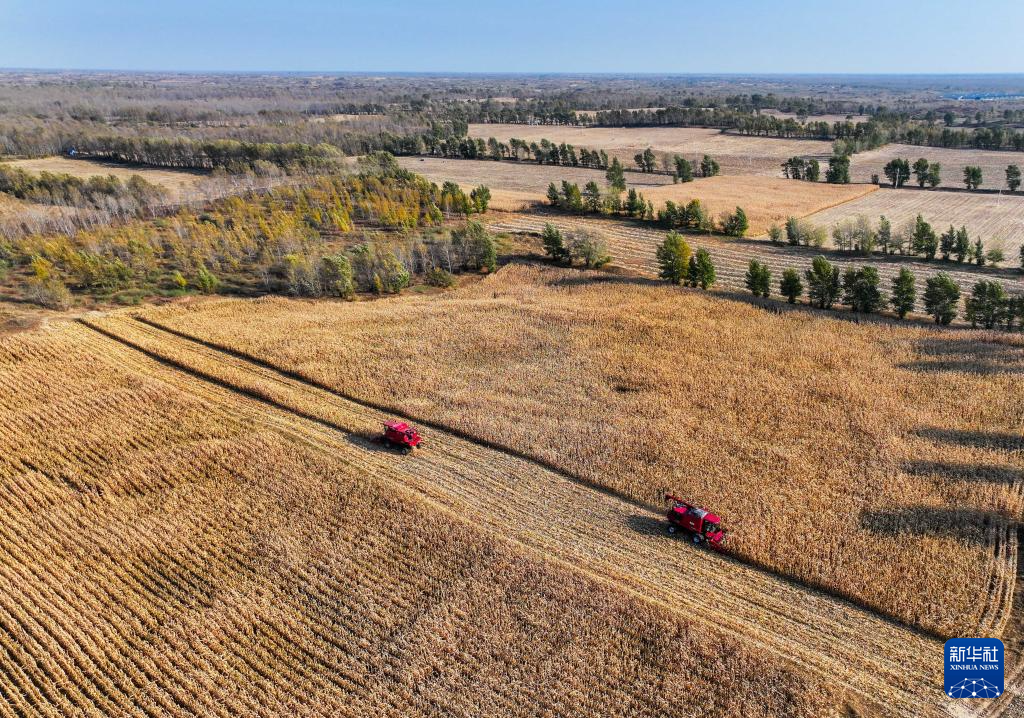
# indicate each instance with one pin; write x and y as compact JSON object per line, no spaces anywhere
{"x":401,"y":436}
{"x":700,"y":523}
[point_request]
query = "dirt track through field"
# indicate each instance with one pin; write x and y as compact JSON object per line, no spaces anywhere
{"x":601,"y":535}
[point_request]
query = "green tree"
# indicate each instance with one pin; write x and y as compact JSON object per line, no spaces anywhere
{"x":684,"y":170}
{"x":897,"y":171}
{"x":589,"y":248}
{"x":986,"y":304}
{"x":884,"y":234}
{"x":554,"y":197}
{"x":838,"y":171}
{"x":822,"y":283}
{"x":646,"y":160}
{"x":941,"y":295}
{"x":554,"y":243}
{"x":572,"y":198}
{"x":758,"y":279}
{"x":947,"y":243}
{"x":812,"y":172}
{"x":336,"y":276}
{"x":860,"y":290}
{"x":979,"y":253}
{"x":616,"y":176}
{"x":924,"y":240}
{"x":674,"y":258}
{"x":934,"y":175}
{"x":708,"y":167}
{"x":962,"y":245}
{"x":972,"y":177}
{"x":921,"y":168}
{"x":1013,"y":177}
{"x":481,"y":198}
{"x":592,"y":196}
{"x":735,"y":224}
{"x":701,"y":270}
{"x":475,"y":247}
{"x":904,"y":292}
{"x":775,"y":234}
{"x":790,"y":286}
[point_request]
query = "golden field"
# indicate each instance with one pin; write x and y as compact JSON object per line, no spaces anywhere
{"x":835,"y":452}
{"x":737,"y":154}
{"x":173,"y":548}
{"x":997,"y":219}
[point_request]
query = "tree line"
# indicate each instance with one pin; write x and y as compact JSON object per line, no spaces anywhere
{"x":898,"y":171}
{"x":692,"y":216}
{"x":859,"y":288}
{"x":69,"y":191}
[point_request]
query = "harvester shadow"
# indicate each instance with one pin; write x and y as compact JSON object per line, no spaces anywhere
{"x":965,"y":524}
{"x":646,"y":525}
{"x":974,"y":439}
{"x":369,"y":442}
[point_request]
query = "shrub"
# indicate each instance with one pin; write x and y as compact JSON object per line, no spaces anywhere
{"x":438,"y":277}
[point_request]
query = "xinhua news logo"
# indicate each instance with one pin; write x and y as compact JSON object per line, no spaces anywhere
{"x":974,"y":668}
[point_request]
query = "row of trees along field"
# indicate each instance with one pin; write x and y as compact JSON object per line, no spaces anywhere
{"x":692,"y":216}
{"x":284,"y":240}
{"x":70,"y":191}
{"x":915,"y":238}
{"x":989,"y":305}
{"x":926,"y":173}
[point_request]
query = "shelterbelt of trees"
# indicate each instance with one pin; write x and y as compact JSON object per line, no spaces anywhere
{"x":289,"y":239}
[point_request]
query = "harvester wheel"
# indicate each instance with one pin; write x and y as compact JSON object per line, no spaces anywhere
{"x":671,"y":529}
{"x":697,"y":539}
{"x":406,"y":450}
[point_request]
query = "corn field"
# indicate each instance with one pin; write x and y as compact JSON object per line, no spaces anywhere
{"x":174,"y":548}
{"x":895,"y":485}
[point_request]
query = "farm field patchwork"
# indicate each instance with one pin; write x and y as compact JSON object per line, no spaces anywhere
{"x":997,"y":219}
{"x":174,"y":548}
{"x":600,"y":378}
{"x":736,"y":154}
{"x":178,"y":182}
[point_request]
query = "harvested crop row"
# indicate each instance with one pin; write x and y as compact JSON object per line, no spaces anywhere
{"x":645,"y":390}
{"x":184,"y":558}
{"x":588,"y":530}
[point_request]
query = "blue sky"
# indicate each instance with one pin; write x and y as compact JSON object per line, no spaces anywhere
{"x":672,"y":36}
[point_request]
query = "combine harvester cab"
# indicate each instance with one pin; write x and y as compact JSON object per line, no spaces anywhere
{"x":401,"y":436}
{"x":702,"y":525}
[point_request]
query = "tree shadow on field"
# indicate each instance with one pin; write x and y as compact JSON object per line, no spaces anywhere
{"x":976,"y":473}
{"x":974,"y":439}
{"x":964,"y":355}
{"x":965,"y":524}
